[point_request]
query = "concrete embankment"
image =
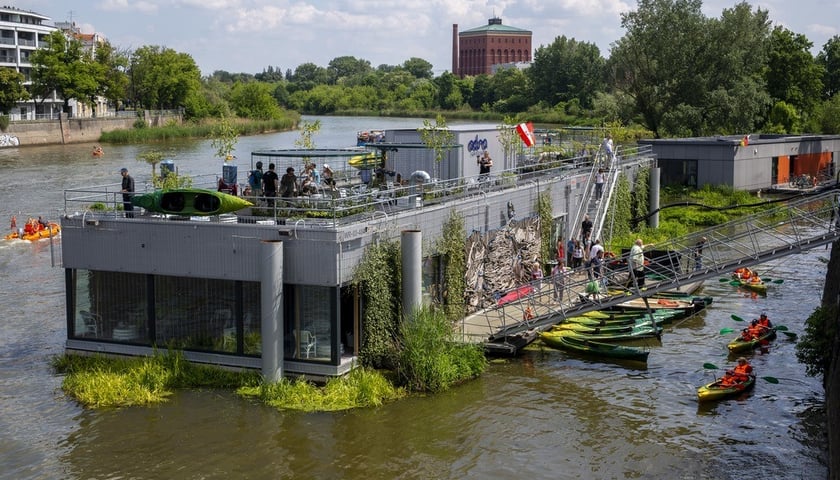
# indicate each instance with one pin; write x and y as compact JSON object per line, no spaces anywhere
{"x":76,"y":130}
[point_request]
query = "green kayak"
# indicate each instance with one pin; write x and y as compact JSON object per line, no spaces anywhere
{"x":573,"y":323}
{"x":661,"y":316}
{"x":190,"y":201}
{"x":640,"y":329}
{"x":569,"y":341}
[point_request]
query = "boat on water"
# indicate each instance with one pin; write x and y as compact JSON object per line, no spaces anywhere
{"x":686,"y":306}
{"x":40,"y":232}
{"x":615,"y":322}
{"x":369,"y":136}
{"x":717,"y":391}
{"x":756,"y":286}
{"x":610,"y":328}
{"x":662,"y":315}
{"x":629,"y":333}
{"x":749,"y":279}
{"x":190,"y":201}
{"x":741,"y":345}
{"x":564,"y":341}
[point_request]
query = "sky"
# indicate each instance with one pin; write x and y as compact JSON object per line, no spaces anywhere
{"x":247,"y":36}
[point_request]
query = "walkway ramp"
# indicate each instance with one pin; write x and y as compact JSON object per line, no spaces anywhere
{"x":801,"y":224}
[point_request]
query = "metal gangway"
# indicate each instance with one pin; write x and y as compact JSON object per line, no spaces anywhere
{"x":805,"y":222}
{"x":589,"y":204}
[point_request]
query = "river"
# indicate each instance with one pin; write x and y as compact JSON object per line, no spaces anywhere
{"x":546,"y":414}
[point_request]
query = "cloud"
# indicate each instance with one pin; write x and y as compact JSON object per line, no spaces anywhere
{"x":127,"y":6}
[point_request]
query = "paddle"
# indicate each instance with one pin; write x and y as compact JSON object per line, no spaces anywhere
{"x":736,"y":318}
{"x":724,"y":331}
{"x":724,"y":280}
{"x":712,"y":366}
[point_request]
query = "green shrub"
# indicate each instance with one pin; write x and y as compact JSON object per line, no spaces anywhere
{"x":814,"y":348}
{"x":429,"y":358}
{"x":4,"y":122}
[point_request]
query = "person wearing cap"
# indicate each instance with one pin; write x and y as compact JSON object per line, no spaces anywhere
{"x":127,"y":189}
{"x":327,"y":176}
{"x":764,"y":322}
{"x":739,"y":374}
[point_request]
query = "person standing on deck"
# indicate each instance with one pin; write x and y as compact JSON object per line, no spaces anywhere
{"x":127,"y":189}
{"x":599,"y":184}
{"x":637,"y":262}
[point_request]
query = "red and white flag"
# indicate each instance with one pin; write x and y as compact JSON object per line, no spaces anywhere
{"x":526,"y":133}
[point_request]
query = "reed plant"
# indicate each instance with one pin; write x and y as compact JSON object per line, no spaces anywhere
{"x":100,"y":381}
{"x":194,"y":130}
{"x":363,"y":387}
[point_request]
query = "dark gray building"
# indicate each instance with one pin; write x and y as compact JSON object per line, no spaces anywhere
{"x":753,"y":162}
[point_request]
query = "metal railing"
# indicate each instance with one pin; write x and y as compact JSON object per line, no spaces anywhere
{"x":801,"y":224}
{"x":350,"y":202}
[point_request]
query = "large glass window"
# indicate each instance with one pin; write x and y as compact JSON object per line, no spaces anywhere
{"x":309,"y":323}
{"x":110,"y":306}
{"x":195,"y":313}
{"x":188,"y":313}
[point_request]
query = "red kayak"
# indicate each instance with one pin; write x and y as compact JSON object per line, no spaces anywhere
{"x":515,"y":295}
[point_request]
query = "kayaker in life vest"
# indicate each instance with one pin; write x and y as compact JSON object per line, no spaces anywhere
{"x":764,"y":321}
{"x":755,"y":329}
{"x":739,"y":374}
{"x":755,"y":278}
{"x":30,"y":228}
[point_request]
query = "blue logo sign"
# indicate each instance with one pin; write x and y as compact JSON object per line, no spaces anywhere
{"x":477,"y":145}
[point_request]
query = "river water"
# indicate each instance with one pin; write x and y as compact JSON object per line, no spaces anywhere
{"x":546,"y":414}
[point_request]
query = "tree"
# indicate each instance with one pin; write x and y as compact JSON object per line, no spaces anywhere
{"x":419,"y":68}
{"x":254,"y":100}
{"x":829,"y":58}
{"x":438,"y":137}
{"x":12,"y":90}
{"x":112,"y":78}
{"x":341,"y":69}
{"x":793,"y":75}
{"x":566,"y":70}
{"x":657,"y":61}
{"x":829,"y":118}
{"x":512,"y":91}
{"x":163,"y":78}
{"x":449,"y":95}
{"x":59,"y":67}
{"x":224,"y":139}
{"x":691,"y":75}
{"x":308,"y":130}
{"x":307,"y":76}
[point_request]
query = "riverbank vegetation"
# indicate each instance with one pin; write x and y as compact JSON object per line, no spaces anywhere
{"x":682,"y":211}
{"x":205,"y":128}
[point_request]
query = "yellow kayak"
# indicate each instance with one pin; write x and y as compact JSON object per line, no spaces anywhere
{"x":364,"y":162}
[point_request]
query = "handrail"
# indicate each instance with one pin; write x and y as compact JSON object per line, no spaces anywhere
{"x":803,"y":223}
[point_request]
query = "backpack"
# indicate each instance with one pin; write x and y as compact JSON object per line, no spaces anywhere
{"x":255,"y":179}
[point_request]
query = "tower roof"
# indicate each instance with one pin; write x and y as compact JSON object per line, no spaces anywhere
{"x":494,"y":25}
